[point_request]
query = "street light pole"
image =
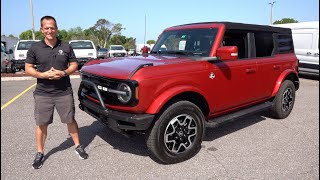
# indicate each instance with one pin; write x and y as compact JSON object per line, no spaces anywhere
{"x":145,"y":29}
{"x":31,"y":10}
{"x":271,"y":12}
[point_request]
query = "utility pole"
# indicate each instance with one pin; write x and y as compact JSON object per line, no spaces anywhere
{"x":31,"y":10}
{"x":145,"y":29}
{"x":271,"y":12}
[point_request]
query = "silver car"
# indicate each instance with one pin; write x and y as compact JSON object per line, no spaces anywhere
{"x":6,"y":63}
{"x":102,"y":53}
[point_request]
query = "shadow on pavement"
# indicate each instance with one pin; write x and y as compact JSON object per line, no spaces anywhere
{"x":135,"y":145}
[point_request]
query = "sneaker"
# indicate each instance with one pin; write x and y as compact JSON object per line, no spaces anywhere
{"x":81,"y":152}
{"x":38,"y":161}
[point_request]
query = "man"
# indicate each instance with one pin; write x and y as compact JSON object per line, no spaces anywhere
{"x":55,"y":61}
{"x":144,"y":49}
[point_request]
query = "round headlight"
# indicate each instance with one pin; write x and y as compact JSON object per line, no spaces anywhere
{"x":124,"y":98}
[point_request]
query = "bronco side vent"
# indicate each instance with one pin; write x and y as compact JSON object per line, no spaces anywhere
{"x":140,"y":67}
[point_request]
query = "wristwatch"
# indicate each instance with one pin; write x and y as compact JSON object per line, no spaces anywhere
{"x":65,"y":73}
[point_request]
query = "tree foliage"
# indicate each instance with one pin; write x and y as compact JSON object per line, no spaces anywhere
{"x":285,"y":21}
{"x":103,"y":34}
{"x":151,"y":42}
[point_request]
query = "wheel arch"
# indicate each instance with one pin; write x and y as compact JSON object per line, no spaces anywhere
{"x":165,"y":100}
{"x":286,"y":75}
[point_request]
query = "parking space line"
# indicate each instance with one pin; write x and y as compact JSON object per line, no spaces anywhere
{"x":12,"y":100}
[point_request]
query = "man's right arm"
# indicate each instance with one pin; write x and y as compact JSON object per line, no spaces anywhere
{"x":34,"y":73}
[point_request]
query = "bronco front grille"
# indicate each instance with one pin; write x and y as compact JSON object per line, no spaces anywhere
{"x":107,"y":97}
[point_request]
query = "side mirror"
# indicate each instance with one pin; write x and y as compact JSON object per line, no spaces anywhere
{"x":227,"y":53}
{"x":9,"y":51}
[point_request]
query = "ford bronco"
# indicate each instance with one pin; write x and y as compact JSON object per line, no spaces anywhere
{"x":196,"y":76}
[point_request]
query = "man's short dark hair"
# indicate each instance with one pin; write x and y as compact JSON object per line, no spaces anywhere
{"x":48,"y":18}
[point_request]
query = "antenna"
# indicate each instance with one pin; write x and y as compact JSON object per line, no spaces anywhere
{"x":145,"y":29}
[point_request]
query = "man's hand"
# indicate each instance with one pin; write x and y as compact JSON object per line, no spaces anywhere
{"x":53,"y":74}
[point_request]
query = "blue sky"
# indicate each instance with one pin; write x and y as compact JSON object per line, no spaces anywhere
{"x":16,"y":16}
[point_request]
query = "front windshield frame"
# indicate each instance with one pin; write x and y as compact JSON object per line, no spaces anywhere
{"x":189,"y":42}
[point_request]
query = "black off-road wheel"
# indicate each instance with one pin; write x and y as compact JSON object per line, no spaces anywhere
{"x":177,"y":133}
{"x":284,"y":100}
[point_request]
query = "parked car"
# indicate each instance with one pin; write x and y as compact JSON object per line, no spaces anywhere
{"x":20,"y":53}
{"x":132,"y":52}
{"x":102,"y":53}
{"x":6,"y":62}
{"x":196,"y":76}
{"x":84,"y":50}
{"x":306,"y":45}
{"x":117,"y":51}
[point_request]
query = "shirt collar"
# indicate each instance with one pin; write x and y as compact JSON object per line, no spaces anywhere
{"x":57,"y":44}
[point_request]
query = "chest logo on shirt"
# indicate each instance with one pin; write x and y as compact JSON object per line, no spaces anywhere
{"x":60,"y":52}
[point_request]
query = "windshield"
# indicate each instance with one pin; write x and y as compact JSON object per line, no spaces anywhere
{"x":3,"y":49}
{"x":117,"y":48}
{"x":103,"y":50}
{"x":25,"y":45}
{"x":81,"y":45}
{"x":190,"y":42}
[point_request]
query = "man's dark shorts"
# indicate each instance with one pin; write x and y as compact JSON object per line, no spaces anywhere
{"x":44,"y":108}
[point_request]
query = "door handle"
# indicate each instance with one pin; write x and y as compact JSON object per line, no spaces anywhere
{"x":276,"y":67}
{"x":250,"y":70}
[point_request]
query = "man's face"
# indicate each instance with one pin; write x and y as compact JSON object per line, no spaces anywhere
{"x":49,"y":29}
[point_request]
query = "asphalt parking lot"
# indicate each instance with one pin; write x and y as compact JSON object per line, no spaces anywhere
{"x":255,"y":147}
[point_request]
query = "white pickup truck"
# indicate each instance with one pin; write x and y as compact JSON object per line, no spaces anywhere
{"x":84,"y":50}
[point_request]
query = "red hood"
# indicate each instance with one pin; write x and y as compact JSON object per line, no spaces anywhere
{"x":121,"y":68}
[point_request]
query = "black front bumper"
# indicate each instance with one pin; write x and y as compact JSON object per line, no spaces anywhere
{"x":116,"y":120}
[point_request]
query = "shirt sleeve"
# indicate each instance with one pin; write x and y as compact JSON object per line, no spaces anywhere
{"x":31,"y":56}
{"x":72,"y":56}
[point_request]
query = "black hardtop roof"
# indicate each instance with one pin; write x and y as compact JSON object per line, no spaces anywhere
{"x":243,"y":26}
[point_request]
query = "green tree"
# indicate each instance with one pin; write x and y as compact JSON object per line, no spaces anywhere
{"x":26,"y":35}
{"x":285,"y":21}
{"x":130,"y":43}
{"x":76,"y":33}
{"x":151,"y":42}
{"x":63,"y":35}
{"x":105,"y":30}
{"x":38,"y":35}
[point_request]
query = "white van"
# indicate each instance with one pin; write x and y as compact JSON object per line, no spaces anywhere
{"x":20,"y":53}
{"x":84,"y":50}
{"x":306,"y":45}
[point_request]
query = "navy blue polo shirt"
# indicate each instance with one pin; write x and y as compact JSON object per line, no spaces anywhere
{"x":45,"y":57}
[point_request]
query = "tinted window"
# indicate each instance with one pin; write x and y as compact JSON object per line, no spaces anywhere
{"x":264,"y":43}
{"x":237,"y":38}
{"x":285,"y":43}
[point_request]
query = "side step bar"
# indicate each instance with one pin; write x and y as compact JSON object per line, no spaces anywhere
{"x":232,"y":116}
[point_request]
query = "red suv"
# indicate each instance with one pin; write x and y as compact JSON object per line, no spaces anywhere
{"x":197,"y":75}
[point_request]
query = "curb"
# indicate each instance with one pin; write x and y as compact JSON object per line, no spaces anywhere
{"x":29,"y":78}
